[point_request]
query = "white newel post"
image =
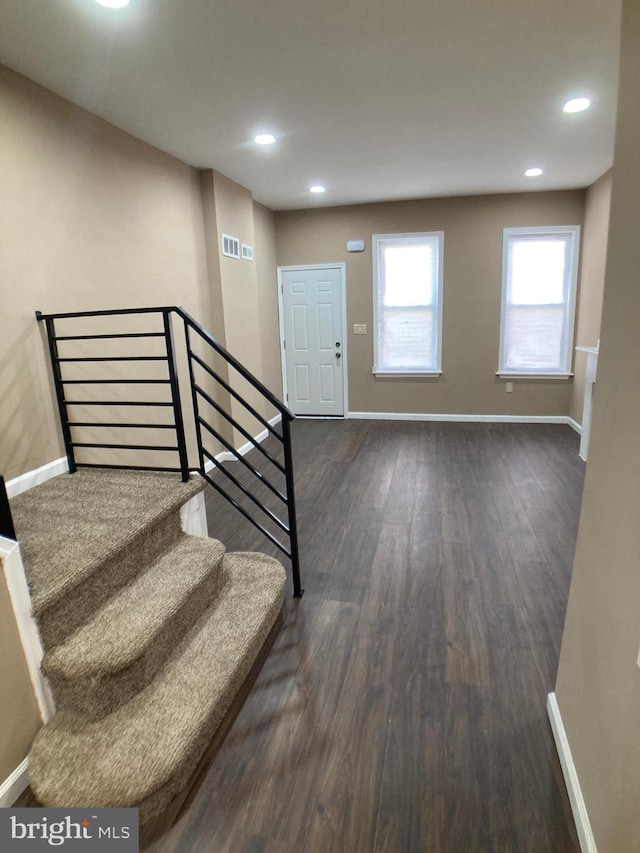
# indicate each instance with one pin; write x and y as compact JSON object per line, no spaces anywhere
{"x":592,"y":367}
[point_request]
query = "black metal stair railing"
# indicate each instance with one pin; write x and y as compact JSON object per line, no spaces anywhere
{"x":207,"y":414}
{"x":6,"y":521}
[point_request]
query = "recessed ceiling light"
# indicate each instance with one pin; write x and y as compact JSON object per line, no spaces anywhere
{"x":577,"y":105}
{"x":113,"y":4}
{"x":533,"y":173}
{"x":317,"y":188}
{"x":264,"y":139}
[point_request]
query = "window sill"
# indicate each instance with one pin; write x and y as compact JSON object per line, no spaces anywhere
{"x":405,"y":374}
{"x":502,"y":374}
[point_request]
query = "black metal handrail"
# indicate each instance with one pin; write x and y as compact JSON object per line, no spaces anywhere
{"x":201,"y":401}
{"x":6,"y":521}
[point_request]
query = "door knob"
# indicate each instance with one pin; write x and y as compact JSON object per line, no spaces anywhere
{"x":338,"y":355}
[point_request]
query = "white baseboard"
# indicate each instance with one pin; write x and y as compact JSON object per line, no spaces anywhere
{"x":575,"y":425}
{"x":39,"y":475}
{"x":228,"y":456}
{"x":578,"y":806}
{"x":455,"y":418}
{"x":14,"y":574}
{"x":14,"y":785}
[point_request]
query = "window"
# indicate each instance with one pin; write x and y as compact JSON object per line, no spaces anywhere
{"x":539,"y":275}
{"x":407,"y":299}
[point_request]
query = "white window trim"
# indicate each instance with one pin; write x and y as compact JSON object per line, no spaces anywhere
{"x":518,"y":374}
{"x":394,"y":374}
{"x":565,"y":372}
{"x":391,"y":374}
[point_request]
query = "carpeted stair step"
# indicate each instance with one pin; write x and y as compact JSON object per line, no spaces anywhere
{"x":144,"y":752}
{"x":119,"y":650}
{"x":85,"y":535}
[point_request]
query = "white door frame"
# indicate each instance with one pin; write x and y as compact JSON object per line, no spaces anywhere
{"x":283,"y":364}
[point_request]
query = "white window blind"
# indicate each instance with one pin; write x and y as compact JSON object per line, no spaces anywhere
{"x":539,"y":276}
{"x":407,"y":282}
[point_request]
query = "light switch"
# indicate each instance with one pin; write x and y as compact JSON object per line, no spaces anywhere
{"x":359,"y":328}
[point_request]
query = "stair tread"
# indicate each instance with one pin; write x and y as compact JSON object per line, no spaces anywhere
{"x":71,"y":524}
{"x":123,"y":629}
{"x":151,"y":745}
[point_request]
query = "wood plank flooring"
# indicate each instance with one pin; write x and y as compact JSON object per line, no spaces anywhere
{"x":402,"y":707}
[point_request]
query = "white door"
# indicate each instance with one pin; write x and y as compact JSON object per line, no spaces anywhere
{"x":312,"y":301}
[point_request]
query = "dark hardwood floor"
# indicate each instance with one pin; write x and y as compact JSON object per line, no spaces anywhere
{"x":403,"y":706}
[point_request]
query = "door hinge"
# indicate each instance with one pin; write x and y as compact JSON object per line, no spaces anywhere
{"x":284,"y":344}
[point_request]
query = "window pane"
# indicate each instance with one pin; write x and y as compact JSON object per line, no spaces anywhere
{"x":537,"y":270}
{"x":534,"y":338}
{"x":408,"y":275}
{"x":539,"y":282}
{"x":407,"y":339}
{"x":407,"y":290}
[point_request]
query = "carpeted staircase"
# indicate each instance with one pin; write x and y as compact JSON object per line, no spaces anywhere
{"x":148,"y":632}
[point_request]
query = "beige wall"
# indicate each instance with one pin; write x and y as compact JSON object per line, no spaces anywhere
{"x":598,"y":687}
{"x":594,"y":256}
{"x":265,"y":254}
{"x":243,"y":292}
{"x":234,"y":216}
{"x":91,"y":218}
{"x":19,"y":715}
{"x":473,"y":229}
{"x":212,"y":245}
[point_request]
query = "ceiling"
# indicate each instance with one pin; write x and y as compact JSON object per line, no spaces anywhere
{"x":375,"y":99}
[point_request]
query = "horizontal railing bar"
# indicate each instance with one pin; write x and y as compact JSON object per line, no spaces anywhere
{"x":120,"y":426}
{"x":127,"y":467}
{"x":246,"y":491}
{"x":114,"y":403}
{"x":240,"y":429}
{"x":243,"y":512}
{"x":105,"y":337}
{"x":235,"y":394}
{"x":117,"y":358}
{"x":277,"y":404}
{"x":242,"y":370}
{"x":112,"y":312}
{"x":165,"y":312}
{"x":241,"y":459}
{"x":125,"y":446}
{"x":115,"y":382}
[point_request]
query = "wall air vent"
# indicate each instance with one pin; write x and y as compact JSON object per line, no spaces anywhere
{"x":247,"y":252}
{"x":230,"y":246}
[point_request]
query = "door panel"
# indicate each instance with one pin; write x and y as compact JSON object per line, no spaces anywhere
{"x":300,"y":340}
{"x":327,"y":391}
{"x":301,"y":384}
{"x":313,"y":332}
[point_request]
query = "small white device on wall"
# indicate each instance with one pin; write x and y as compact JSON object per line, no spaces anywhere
{"x":247,"y":252}
{"x":355,"y":246}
